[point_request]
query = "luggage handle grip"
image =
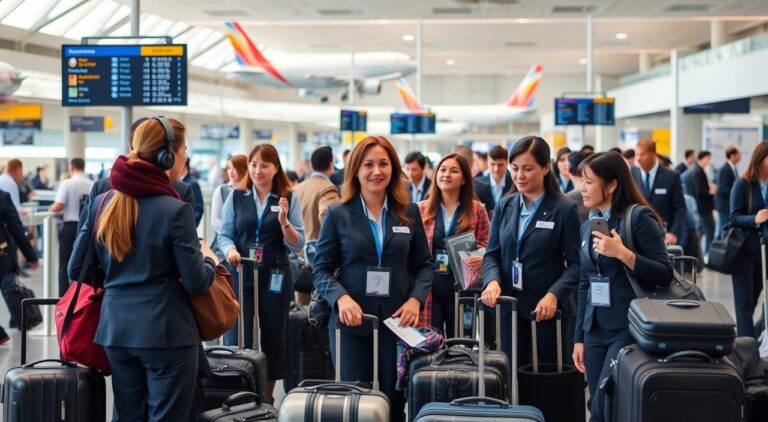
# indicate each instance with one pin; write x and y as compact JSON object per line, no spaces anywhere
{"x":535,"y":344}
{"x":683,"y":303}
{"x":62,"y":362}
{"x":25,"y":303}
{"x":469,"y":342}
{"x":237,"y":397}
{"x":451,"y":353}
{"x":480,"y":400}
{"x":339,"y":388}
{"x":686,"y":354}
{"x":221,"y":349}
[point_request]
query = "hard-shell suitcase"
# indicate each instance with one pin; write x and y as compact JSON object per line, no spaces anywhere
{"x":236,"y":369}
{"x":337,"y":400}
{"x":309,"y":354}
{"x":667,"y":326}
{"x":252,"y":410}
{"x":42,"y":392}
{"x":481,"y":408}
{"x":684,"y":386}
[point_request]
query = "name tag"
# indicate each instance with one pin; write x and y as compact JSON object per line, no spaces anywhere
{"x":441,"y":261}
{"x":377,"y":281}
{"x":517,"y":275}
{"x":549,"y":225}
{"x":661,"y":191}
{"x":600,"y":291}
{"x":401,"y":229}
{"x":274,"y":208}
{"x":276,"y":282}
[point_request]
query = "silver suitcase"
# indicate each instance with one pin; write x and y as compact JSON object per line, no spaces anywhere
{"x":337,"y":400}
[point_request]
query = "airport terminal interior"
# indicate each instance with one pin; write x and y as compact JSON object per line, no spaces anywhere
{"x":678,"y":88}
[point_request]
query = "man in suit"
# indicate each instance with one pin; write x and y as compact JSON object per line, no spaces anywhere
{"x":697,"y":185}
{"x":418,"y":182}
{"x":688,"y":161}
{"x":498,"y":182}
{"x":199,"y":206}
{"x":574,"y":159}
{"x":338,"y":175}
{"x":727,"y":176}
{"x":662,"y":188}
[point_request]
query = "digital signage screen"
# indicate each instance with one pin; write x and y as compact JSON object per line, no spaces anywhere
{"x":353,"y":121}
{"x":584,"y":111}
{"x":18,"y":137}
{"x":123,"y":75}
{"x":86,"y":124}
{"x":408,"y":123}
{"x":220,"y":131}
{"x":26,"y":116}
{"x":740,"y":106}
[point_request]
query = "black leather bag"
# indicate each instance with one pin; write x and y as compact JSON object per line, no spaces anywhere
{"x":724,"y":251}
{"x":16,"y":294}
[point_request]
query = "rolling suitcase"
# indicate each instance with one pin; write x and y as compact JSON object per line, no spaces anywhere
{"x":251,"y":410}
{"x":337,"y":400}
{"x":481,"y":408}
{"x":684,"y":386}
{"x":236,"y":369}
{"x":309,"y":354}
{"x":666,"y":326}
{"x":40,"y":392}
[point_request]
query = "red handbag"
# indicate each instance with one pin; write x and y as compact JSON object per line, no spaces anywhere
{"x":77,"y":313}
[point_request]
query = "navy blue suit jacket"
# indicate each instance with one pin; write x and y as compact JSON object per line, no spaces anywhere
{"x":424,"y":192}
{"x":550,"y":257}
{"x":652,"y":266}
{"x":199,"y":205}
{"x":666,"y":198}
{"x":346,"y":243}
{"x":725,"y":180}
{"x":744,"y":209}
{"x":9,"y":216}
{"x":145,"y":300}
{"x":697,"y":185}
{"x":484,"y":192}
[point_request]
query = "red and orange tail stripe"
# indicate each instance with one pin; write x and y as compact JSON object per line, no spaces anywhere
{"x":406,"y":95}
{"x":247,"y":53}
{"x":525,"y":93}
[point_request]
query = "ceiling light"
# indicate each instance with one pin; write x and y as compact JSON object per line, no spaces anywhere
{"x":582,"y":61}
{"x":621,"y":36}
{"x":450,"y":62}
{"x":522,"y":20}
{"x":408,"y":37}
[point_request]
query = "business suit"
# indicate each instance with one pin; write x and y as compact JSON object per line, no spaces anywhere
{"x":347,"y":243}
{"x":199,"y":205}
{"x":153,"y":348}
{"x":554,"y":228}
{"x":747,"y":278}
{"x":424,"y":190}
{"x":666,"y":198}
{"x":681,"y":167}
{"x":17,"y":239}
{"x":697,"y":185}
{"x":484,"y":191}
{"x":727,"y":176}
{"x":316,"y":194}
{"x":604,"y":330}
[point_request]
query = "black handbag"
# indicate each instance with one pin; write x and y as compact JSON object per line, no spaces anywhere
{"x":678,"y":288}
{"x":725,"y":250}
{"x":16,"y":294}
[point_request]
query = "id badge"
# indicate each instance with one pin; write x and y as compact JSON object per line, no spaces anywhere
{"x":256,"y":252}
{"x":600,"y":291}
{"x":377,"y":281}
{"x":517,"y":275}
{"x":276,"y":282}
{"x":441,"y":261}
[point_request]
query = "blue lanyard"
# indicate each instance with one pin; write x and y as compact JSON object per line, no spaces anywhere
{"x":260,"y":218}
{"x":453,"y":220}
{"x":521,"y":230}
{"x":378,"y":236}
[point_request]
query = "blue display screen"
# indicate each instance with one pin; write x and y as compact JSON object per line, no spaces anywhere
{"x":353,"y":121}
{"x":584,"y":111}
{"x":401,"y":123}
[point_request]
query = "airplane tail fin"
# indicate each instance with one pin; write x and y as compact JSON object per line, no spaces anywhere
{"x":525,"y":93}
{"x":407,"y":96}
{"x":246,"y":52}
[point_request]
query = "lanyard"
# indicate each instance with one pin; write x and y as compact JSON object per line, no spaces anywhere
{"x":378,"y":236}
{"x":453,"y":220}
{"x":260,"y":218}
{"x":521,"y":230}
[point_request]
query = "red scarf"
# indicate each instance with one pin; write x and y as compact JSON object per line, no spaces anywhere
{"x":139,"y":178}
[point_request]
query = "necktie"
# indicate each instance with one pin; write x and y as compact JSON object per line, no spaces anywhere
{"x":647,"y":185}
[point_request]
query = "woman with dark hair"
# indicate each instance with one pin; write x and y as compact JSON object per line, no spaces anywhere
{"x":563,"y":171}
{"x":376,"y":238}
{"x":604,"y":289}
{"x":533,"y":251}
{"x":262,"y":220}
{"x":451,"y":209}
{"x":749,"y":211}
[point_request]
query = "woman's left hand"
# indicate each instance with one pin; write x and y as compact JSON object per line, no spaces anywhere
{"x":547,"y":307}
{"x":408,"y":313}
{"x":610,"y":246}
{"x":282,"y":216}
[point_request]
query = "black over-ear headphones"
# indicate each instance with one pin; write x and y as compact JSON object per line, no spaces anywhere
{"x":165,"y":158}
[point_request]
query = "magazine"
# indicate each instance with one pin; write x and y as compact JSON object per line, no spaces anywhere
{"x":460,"y":247}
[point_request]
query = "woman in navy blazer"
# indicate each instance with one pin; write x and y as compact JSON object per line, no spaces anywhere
{"x":147,"y":246}
{"x":749,"y":211}
{"x":533,"y":251}
{"x":604,"y":290}
{"x":375,"y":230}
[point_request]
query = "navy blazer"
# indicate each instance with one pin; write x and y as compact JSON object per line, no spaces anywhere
{"x":666,"y":198}
{"x":9,"y":216}
{"x":145,"y":300}
{"x":346,"y":243}
{"x":424,"y":191}
{"x":744,"y":209}
{"x":550,"y":257}
{"x":485,"y":193}
{"x":725,"y":180}
{"x":199,"y":203}
{"x":652,"y":266}
{"x":697,"y":185}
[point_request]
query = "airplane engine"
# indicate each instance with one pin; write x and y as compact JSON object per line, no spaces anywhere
{"x":306,"y":93}
{"x":369,"y":87}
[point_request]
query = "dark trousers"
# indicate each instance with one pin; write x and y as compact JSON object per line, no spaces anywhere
{"x":443,"y":303}
{"x":600,"y":348}
{"x":357,"y":364}
{"x":707,"y":229}
{"x":153,"y":384}
{"x":747,"y":286}
{"x":722,"y":218}
{"x":67,"y":235}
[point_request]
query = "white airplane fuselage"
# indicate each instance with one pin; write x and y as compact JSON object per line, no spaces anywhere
{"x":480,"y":115}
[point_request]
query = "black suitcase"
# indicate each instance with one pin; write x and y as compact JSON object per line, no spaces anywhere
{"x":667,"y":326}
{"x":309,"y":354}
{"x":41,"y":392}
{"x":684,"y":386}
{"x":252,"y":410}
{"x":236,"y":369}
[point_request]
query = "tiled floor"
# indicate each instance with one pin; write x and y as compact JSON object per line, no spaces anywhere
{"x":716,"y":286}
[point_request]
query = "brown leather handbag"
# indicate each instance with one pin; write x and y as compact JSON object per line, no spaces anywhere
{"x":216,"y":309}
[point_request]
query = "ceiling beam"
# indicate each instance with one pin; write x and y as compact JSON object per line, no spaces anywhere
{"x":44,"y":20}
{"x":207,"y":49}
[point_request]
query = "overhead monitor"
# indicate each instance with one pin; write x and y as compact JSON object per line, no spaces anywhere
{"x":410,"y":123}
{"x":18,"y":137}
{"x":220,"y":131}
{"x":86,"y":123}
{"x":21,"y":116}
{"x":584,"y":111}
{"x":123,"y":75}
{"x":739,"y":106}
{"x":353,"y":121}
{"x":261,"y":134}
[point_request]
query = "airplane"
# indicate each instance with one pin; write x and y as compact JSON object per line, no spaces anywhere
{"x":311,"y":73}
{"x":519,"y":105}
{"x":10,"y":81}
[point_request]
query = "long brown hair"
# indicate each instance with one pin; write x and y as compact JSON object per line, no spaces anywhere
{"x":398,"y":197}
{"x":466,"y":194}
{"x":117,"y":220}
{"x":758,"y":155}
{"x":240,"y":164}
{"x":269,"y":154}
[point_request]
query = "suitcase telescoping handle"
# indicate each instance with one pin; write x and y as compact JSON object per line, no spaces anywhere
{"x":459,"y":303}
{"x":24,"y":305}
{"x":683,"y":262}
{"x":535,"y":345}
{"x":375,"y":323}
{"x":241,"y":293}
{"x":763,"y":240}
{"x":513,"y":358}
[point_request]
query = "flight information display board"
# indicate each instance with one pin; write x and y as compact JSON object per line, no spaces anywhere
{"x":28,"y":116}
{"x":412,"y":123}
{"x":584,"y":111}
{"x":123,"y":75}
{"x":353,"y":121}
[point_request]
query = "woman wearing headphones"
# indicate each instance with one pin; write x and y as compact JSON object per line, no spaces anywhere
{"x":263,"y":221}
{"x":375,"y":237}
{"x":147,"y":246}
